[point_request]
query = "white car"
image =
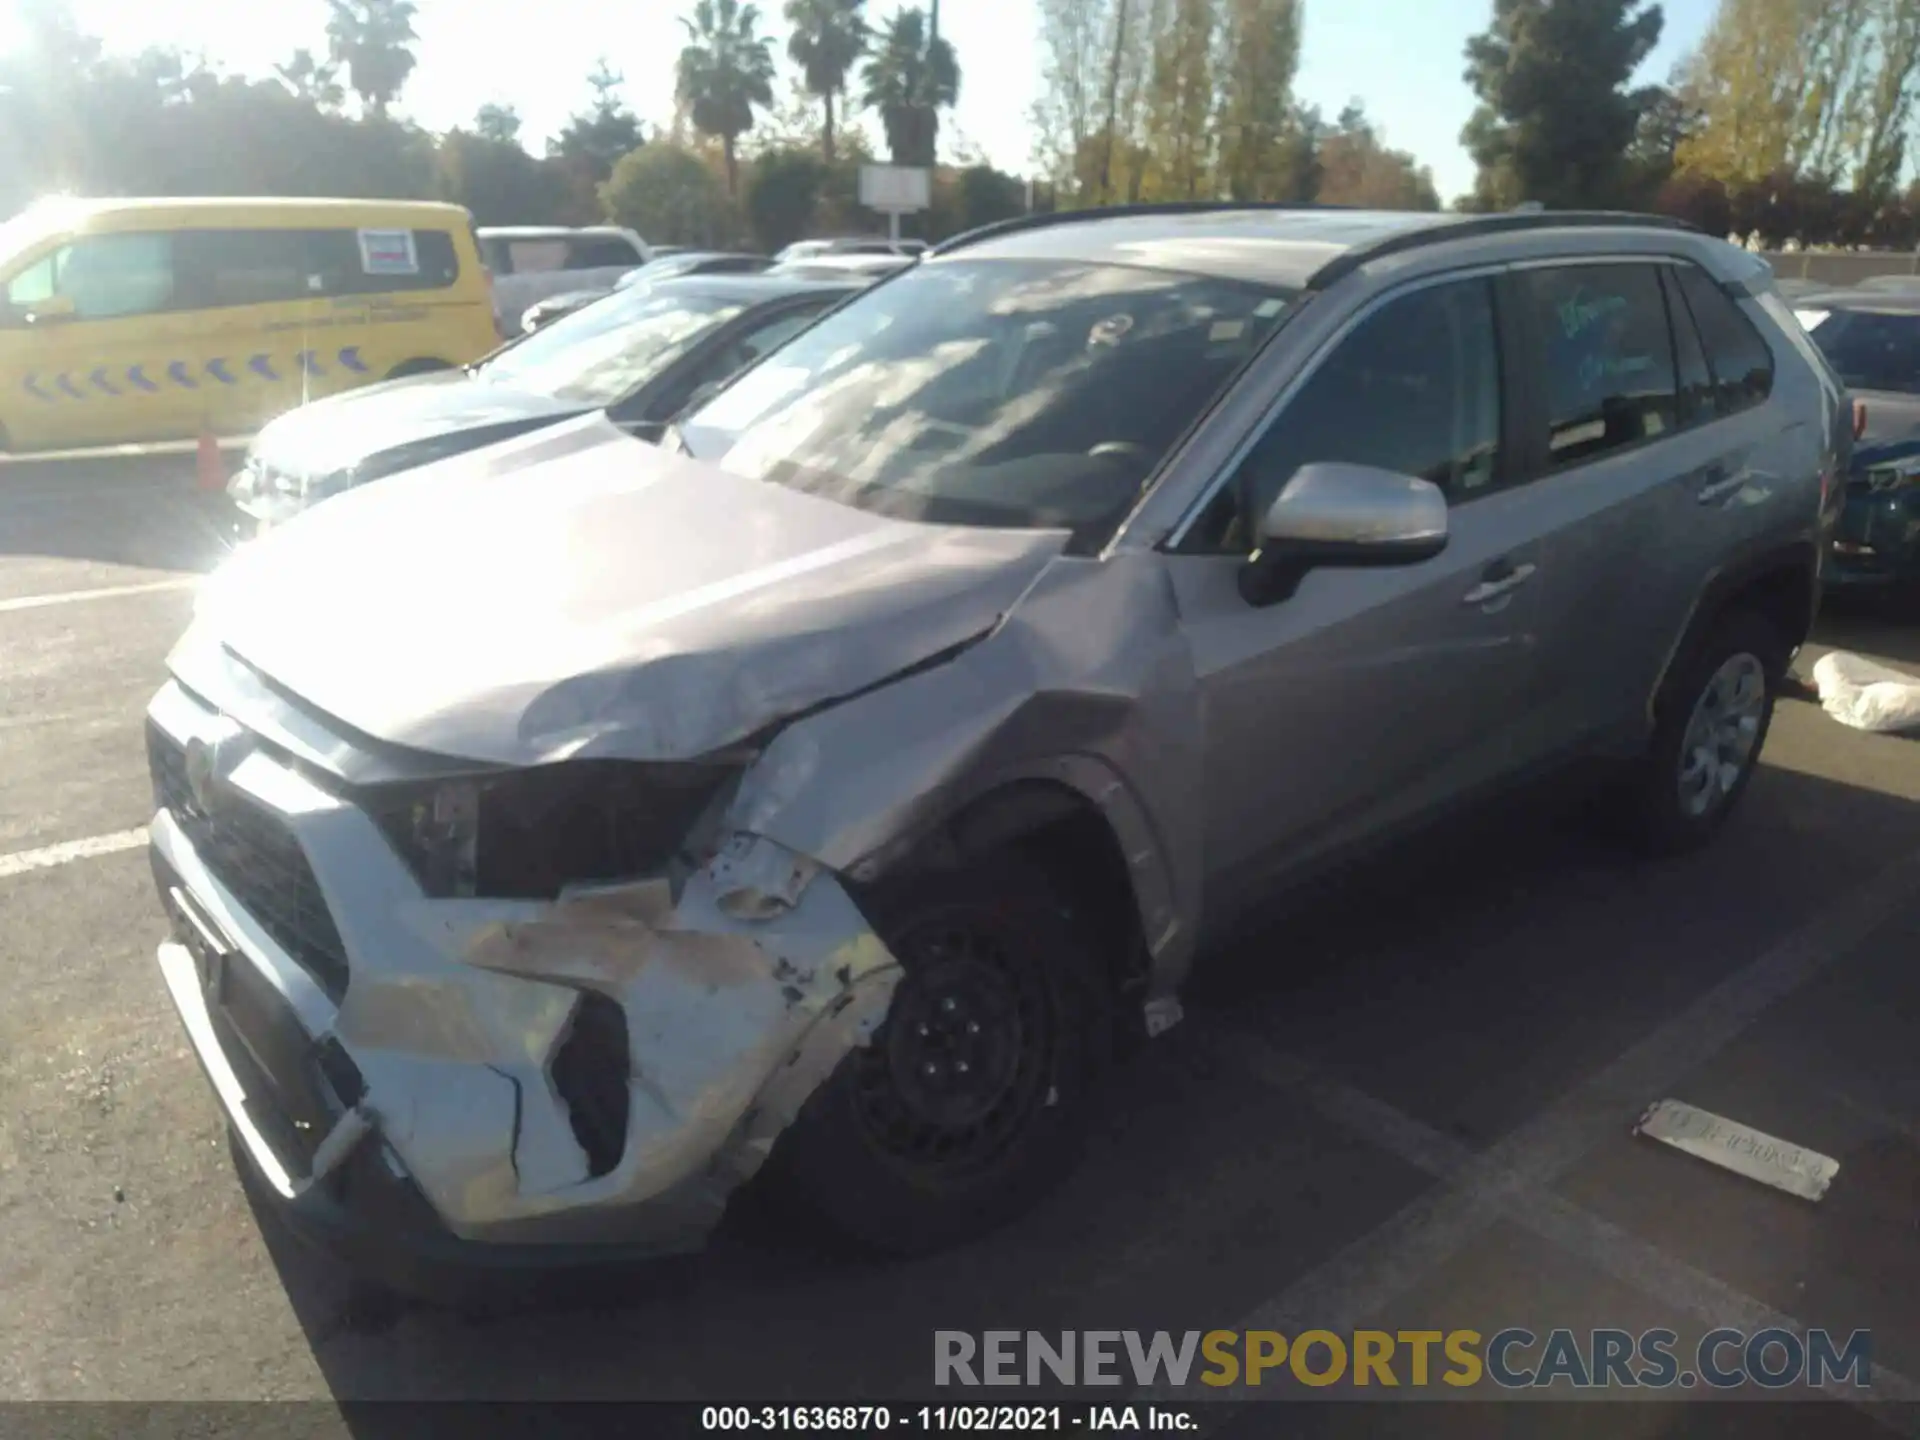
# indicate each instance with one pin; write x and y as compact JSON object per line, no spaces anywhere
{"x":531,"y":262}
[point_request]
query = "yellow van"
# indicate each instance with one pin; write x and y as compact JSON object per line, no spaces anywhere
{"x":136,"y":320}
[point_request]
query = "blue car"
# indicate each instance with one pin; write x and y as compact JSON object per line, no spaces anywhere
{"x":1872,"y":338}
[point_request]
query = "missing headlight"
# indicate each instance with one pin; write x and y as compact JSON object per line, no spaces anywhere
{"x":528,"y":834}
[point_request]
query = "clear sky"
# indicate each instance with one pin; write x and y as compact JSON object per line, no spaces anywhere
{"x":1401,"y":58}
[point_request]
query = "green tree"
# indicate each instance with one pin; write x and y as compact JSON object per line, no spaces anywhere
{"x":1356,"y":168}
{"x":1778,"y":83}
{"x":310,"y":80}
{"x":983,"y":195}
{"x":782,"y":194}
{"x":667,"y":193}
{"x":1668,"y":122}
{"x":1884,"y":113}
{"x":725,"y":70}
{"x":1260,"y":52}
{"x":499,"y":123}
{"x":502,"y":184}
{"x":1181,"y":103}
{"x":1075,"y":61}
{"x":374,"y":40}
{"x":593,"y":142}
{"x":909,"y":79}
{"x":1554,"y":119}
{"x":829,"y":36}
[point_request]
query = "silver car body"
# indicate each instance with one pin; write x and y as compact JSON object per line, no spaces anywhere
{"x":866,"y":681}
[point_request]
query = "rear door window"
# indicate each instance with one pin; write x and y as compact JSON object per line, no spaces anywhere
{"x":1608,"y":377}
{"x":1742,"y":364}
{"x":381,"y":262}
{"x":243,"y":267}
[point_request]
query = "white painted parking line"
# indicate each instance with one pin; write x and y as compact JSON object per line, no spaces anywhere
{"x":68,"y":851}
{"x":1511,"y":1178}
{"x":1605,"y":1246}
{"x":107,"y":592}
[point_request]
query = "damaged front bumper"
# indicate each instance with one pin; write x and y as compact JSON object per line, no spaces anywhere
{"x":488,"y":1081}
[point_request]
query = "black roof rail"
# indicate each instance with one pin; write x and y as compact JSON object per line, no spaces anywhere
{"x":1349,"y":261}
{"x":1040,"y":220}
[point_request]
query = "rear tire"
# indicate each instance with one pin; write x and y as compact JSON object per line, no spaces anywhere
{"x":1711,"y":724}
{"x":971,"y":1101}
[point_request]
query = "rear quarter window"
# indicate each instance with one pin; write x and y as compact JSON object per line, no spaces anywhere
{"x":1737,"y":353}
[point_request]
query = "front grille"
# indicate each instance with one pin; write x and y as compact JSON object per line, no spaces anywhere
{"x":258,"y":859}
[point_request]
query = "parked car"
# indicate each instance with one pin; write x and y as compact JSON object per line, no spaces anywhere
{"x":1873,"y":341}
{"x":639,"y":357}
{"x":1794,"y":288}
{"x":873,"y":267}
{"x":531,"y":262}
{"x":694,"y":262}
{"x":545,"y":312}
{"x":570,"y":827}
{"x":848,"y":245}
{"x":139,"y":320}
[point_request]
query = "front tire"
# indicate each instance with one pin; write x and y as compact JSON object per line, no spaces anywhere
{"x":971,"y":1100}
{"x":1711,"y":723}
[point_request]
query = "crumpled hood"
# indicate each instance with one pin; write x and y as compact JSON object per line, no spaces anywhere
{"x":576,"y":592}
{"x":328,"y":436}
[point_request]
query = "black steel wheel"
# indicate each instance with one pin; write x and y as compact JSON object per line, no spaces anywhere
{"x":971,"y":1098}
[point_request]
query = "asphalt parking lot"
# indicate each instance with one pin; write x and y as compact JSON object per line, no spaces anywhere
{"x":1404,"y":1104}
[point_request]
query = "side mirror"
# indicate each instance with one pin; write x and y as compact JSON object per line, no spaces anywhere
{"x":1346,"y":515}
{"x":53,"y":310}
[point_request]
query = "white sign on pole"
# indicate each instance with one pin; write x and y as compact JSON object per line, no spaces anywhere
{"x":896,"y":189}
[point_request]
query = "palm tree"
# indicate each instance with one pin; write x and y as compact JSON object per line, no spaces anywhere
{"x":724,"y":71}
{"x":311,"y":81}
{"x":373,"y":39}
{"x":908,"y":80}
{"x":828,"y":36}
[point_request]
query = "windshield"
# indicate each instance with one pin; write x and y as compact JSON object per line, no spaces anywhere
{"x":1028,"y":394}
{"x":1870,"y":351}
{"x":609,"y":348}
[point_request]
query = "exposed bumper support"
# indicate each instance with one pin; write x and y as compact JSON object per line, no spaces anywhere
{"x":455,"y":1012}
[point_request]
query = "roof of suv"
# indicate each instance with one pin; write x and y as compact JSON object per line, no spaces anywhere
{"x":1279,"y":245}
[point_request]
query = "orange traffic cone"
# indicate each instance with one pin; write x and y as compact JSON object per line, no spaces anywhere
{"x":212,"y":474}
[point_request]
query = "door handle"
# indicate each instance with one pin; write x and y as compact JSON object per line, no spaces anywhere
{"x":1500,"y":578}
{"x":1719,"y":485}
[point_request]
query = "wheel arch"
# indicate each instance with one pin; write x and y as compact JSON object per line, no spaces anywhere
{"x":1076,"y":820}
{"x":1782,"y":584}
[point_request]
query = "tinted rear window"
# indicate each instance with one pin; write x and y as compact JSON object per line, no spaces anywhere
{"x":1872,"y":351}
{"x":1736,"y":353}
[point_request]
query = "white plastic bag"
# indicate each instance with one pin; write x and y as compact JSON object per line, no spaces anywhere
{"x":1859,"y":692}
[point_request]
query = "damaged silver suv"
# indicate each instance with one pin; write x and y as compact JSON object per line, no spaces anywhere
{"x":838,"y":786}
